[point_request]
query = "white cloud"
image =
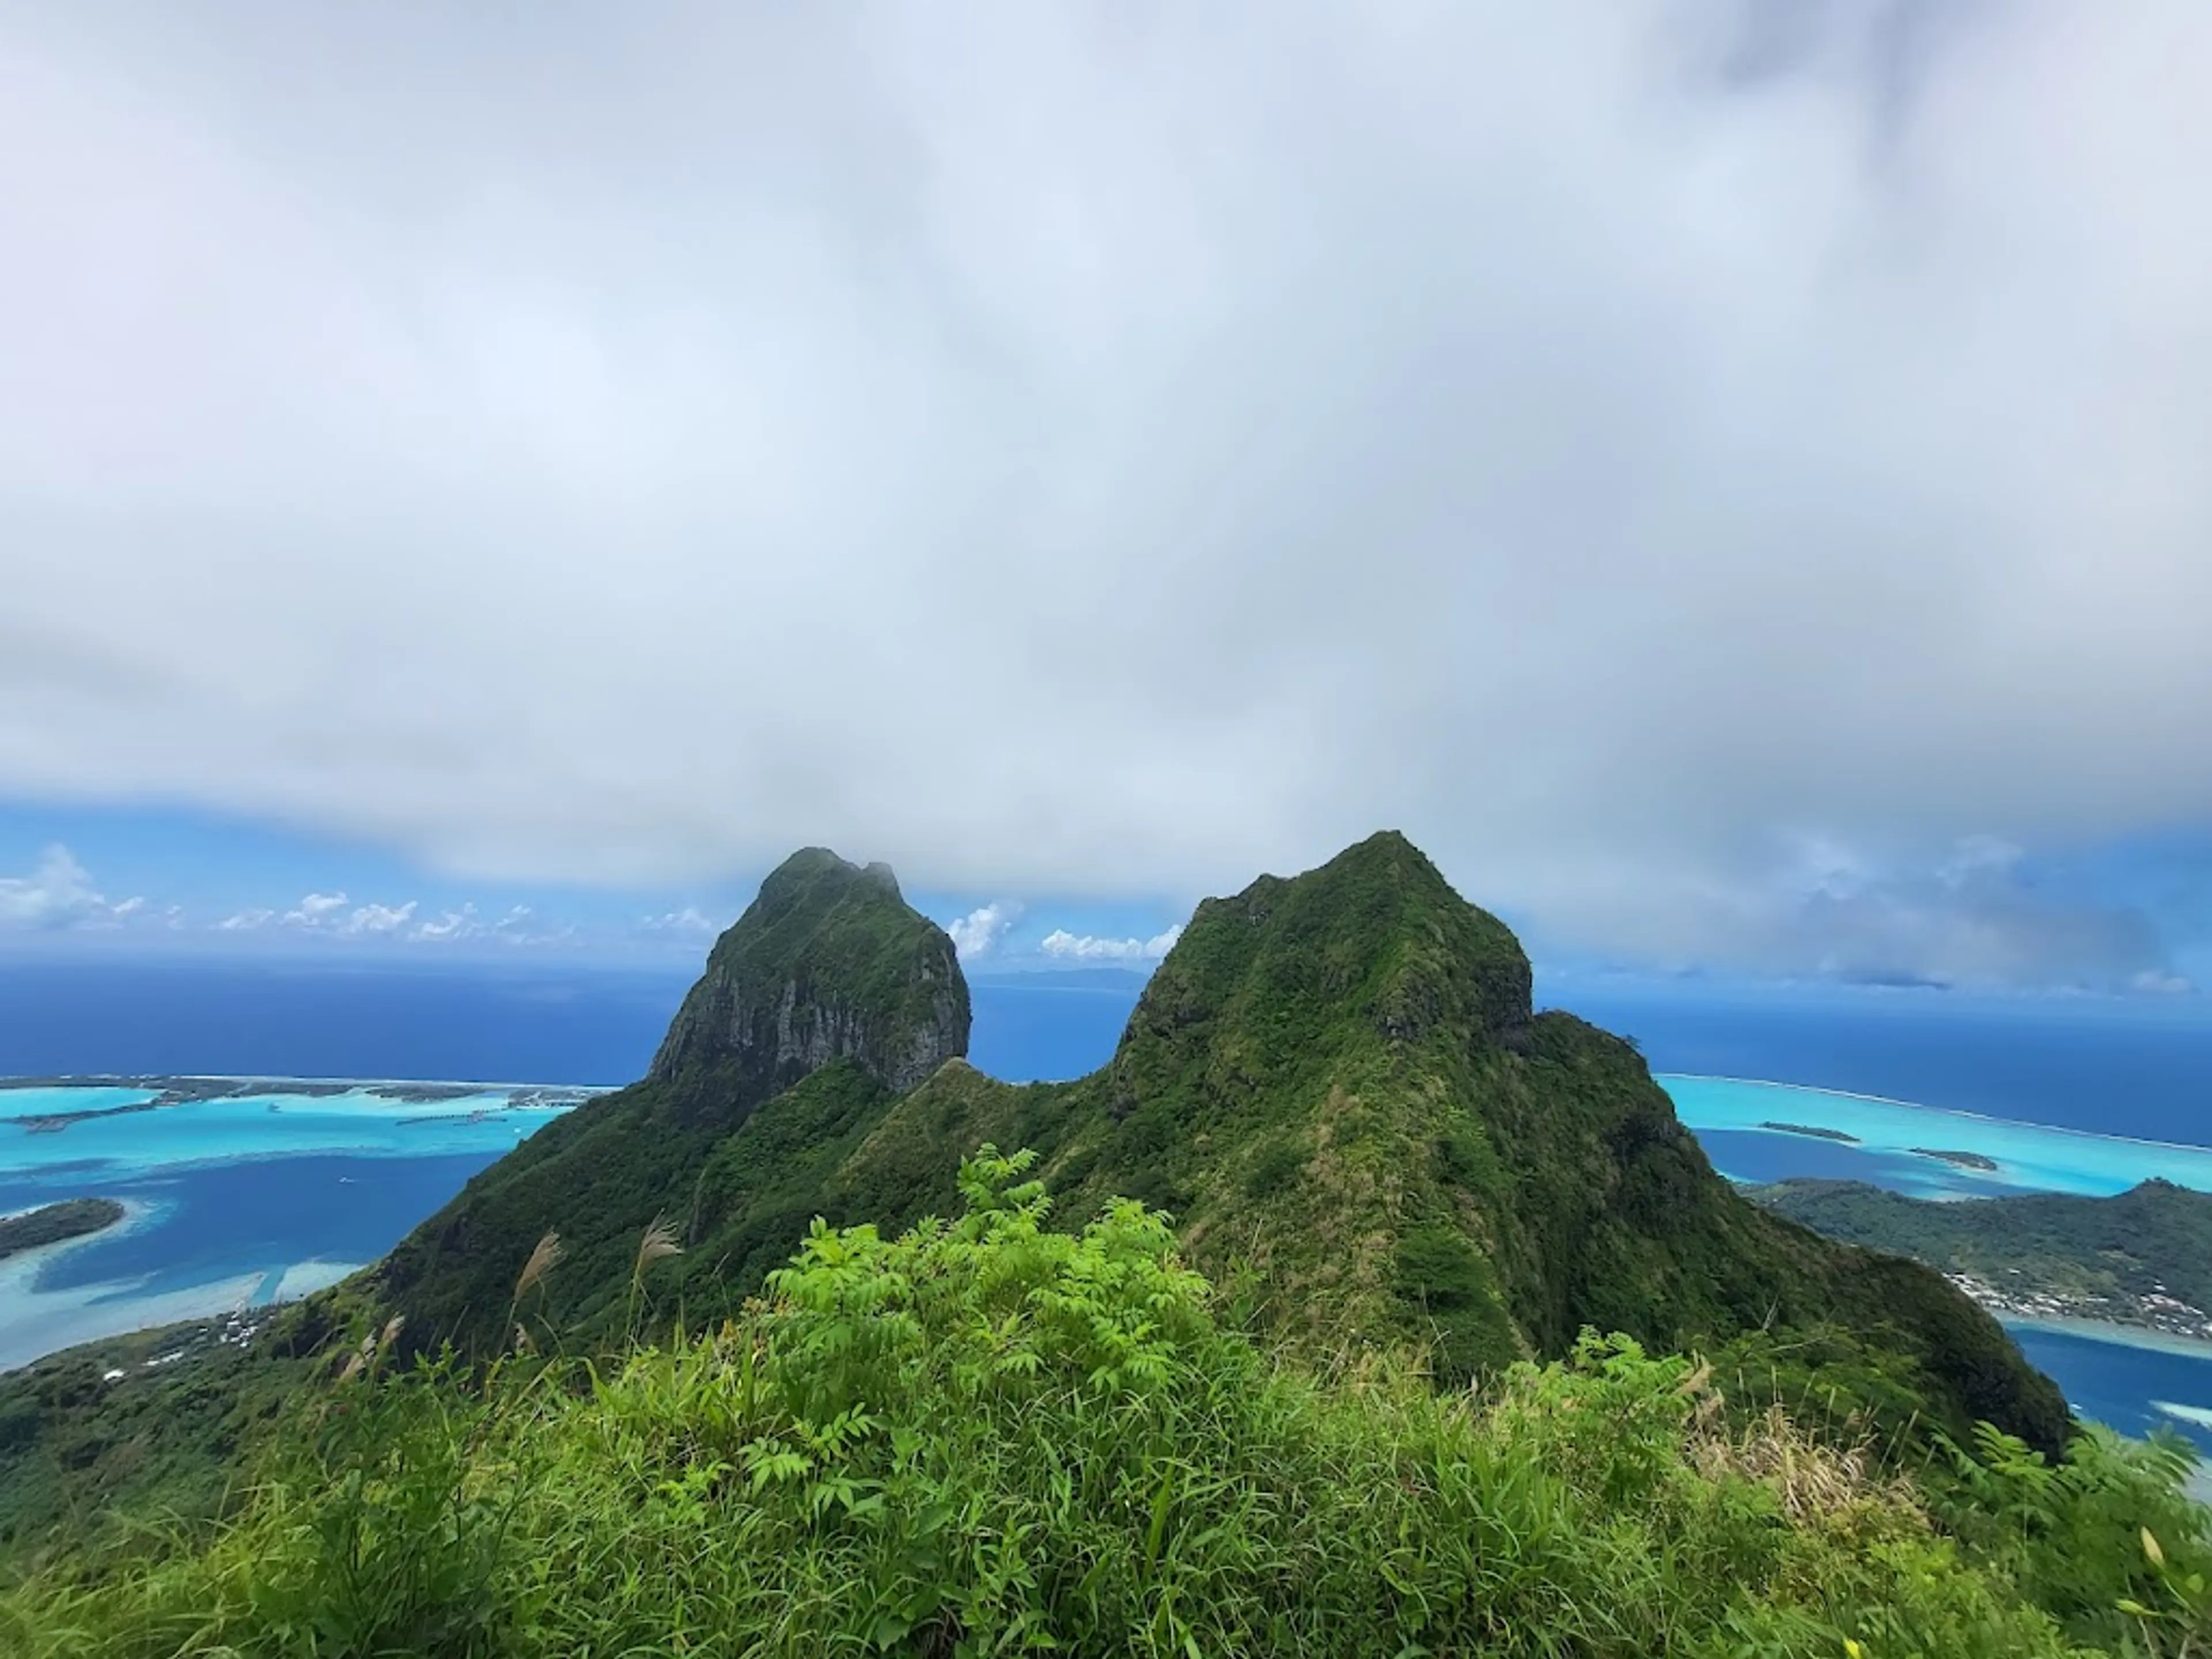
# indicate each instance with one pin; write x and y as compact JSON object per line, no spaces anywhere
{"x":315,"y":910}
{"x":378,"y":919}
{"x":1089,"y":948}
{"x":58,"y":894}
{"x":1978,"y":856}
{"x":246,"y":922}
{"x":689,"y":920}
{"x":521,"y":928}
{"x":2157,"y":983}
{"x":1609,"y":442}
{"x":460,"y":924}
{"x":1979,"y":914}
{"x":978,"y":932}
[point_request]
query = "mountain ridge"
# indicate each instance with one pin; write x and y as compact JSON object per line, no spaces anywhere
{"x":1335,"y":1081}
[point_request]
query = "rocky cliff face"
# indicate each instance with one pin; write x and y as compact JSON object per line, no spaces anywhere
{"x":829,"y":980}
{"x":827,"y":963}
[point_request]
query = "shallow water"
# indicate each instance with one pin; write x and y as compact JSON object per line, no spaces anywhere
{"x":261,"y":1125}
{"x":1727,"y":1113}
{"x":232,"y":1202}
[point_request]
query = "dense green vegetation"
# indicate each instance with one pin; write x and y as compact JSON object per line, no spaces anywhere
{"x":990,"y":1437}
{"x":2155,"y":1238}
{"x":73,"y":1218}
{"x":167,"y":1437}
{"x":827,"y":968}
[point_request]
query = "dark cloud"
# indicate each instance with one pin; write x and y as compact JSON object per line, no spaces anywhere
{"x":1119,"y":448}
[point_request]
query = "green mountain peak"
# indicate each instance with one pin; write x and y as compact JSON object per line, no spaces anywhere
{"x":828,"y":963}
{"x":828,"y":974}
{"x":1372,"y":945}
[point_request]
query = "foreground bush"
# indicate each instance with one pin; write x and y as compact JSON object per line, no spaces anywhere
{"x":985,"y":1437}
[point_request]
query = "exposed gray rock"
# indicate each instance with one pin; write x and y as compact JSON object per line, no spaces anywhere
{"x":829,"y":963}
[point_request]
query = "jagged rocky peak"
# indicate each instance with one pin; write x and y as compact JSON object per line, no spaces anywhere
{"x":828,"y":963}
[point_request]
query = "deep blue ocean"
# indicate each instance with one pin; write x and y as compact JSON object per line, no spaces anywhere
{"x":513,"y":1025}
{"x":493,"y":1026}
{"x":2113,"y":1069}
{"x":2143,"y":1072}
{"x":2141,"y":1069}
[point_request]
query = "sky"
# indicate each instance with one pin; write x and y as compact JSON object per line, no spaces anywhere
{"x":1725,"y":478}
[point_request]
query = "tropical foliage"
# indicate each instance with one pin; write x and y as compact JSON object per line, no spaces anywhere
{"x":986,"y":1436}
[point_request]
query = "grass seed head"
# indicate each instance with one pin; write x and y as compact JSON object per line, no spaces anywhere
{"x":543,"y":1260}
{"x":659,"y":1240}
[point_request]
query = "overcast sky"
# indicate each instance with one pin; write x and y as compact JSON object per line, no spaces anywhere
{"x":1729,"y":479}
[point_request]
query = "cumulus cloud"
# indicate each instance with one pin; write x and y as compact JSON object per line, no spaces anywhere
{"x":689,"y":920}
{"x":379,"y":920}
{"x":1612,"y":442}
{"x":1981,"y":914}
{"x":334,"y":917}
{"x":2157,"y":983}
{"x":980,"y":932}
{"x":521,"y":927}
{"x":460,"y":924}
{"x":58,"y":893}
{"x":1088,"y":947}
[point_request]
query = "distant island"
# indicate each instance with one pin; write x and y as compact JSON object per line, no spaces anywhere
{"x":1963,"y":1160}
{"x":2141,"y":1259}
{"x":73,"y":1218}
{"x":188,"y":1091}
{"x":1812,"y":1129}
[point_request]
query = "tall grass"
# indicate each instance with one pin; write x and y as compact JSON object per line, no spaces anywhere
{"x":988,"y":1438}
{"x":657,"y":1243}
{"x":544,"y":1258}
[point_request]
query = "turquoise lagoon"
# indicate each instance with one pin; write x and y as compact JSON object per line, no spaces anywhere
{"x":272,"y":1124}
{"x":1891,"y":1140}
{"x":233,"y":1202}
